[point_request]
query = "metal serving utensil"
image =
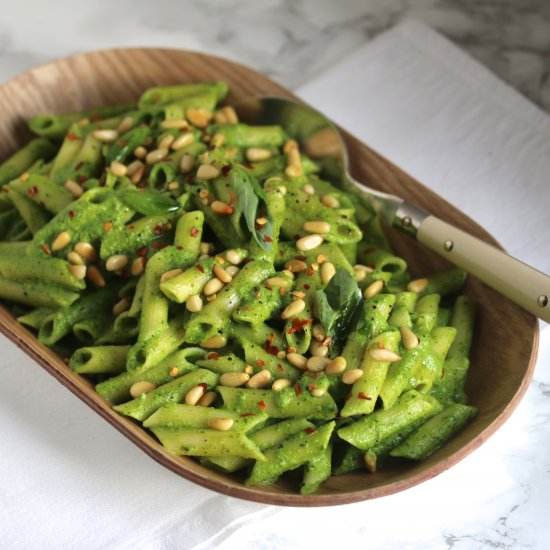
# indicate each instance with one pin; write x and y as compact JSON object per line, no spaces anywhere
{"x":321,"y":140}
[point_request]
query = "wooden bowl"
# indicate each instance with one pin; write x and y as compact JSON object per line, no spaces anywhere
{"x":506,"y":339}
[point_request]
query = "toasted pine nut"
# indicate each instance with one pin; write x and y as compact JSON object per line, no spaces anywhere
{"x":289,"y":274}
{"x":317,"y":227}
{"x":281,"y":384}
{"x":86,"y":251}
{"x":249,"y":369}
{"x":330,"y":202}
{"x":138,"y":174}
{"x":327,"y":272}
{"x":318,"y":392}
{"x":384,"y":355}
{"x":105,"y":135}
{"x":361,"y":272}
{"x":351,"y":376}
{"x":156,"y":155}
{"x":218,"y":139}
{"x":141,"y":387}
{"x":118,"y":169}
{"x":207,"y":399}
{"x":213,"y":286}
{"x":174,"y":372}
{"x":140,"y":152}
{"x":418,"y":285}
{"x":309,"y":242}
{"x":289,"y":146}
{"x":78,"y":271}
{"x":222,"y":274}
{"x":221,"y":424}
{"x":207,"y":172}
{"x":373,"y":289}
{"x":318,"y":332}
{"x":125,"y":124}
{"x":298,"y":294}
{"x":61,"y":241}
{"x":294,"y":171}
{"x":232,"y":270}
{"x":230,"y":115}
{"x":173,"y":186}
{"x":174,"y":124}
{"x":317,"y":364}
{"x":317,"y":349}
{"x":293,"y":309}
{"x":166,"y":142}
{"x":170,"y":274}
{"x":116,"y":262}
{"x":277,"y":282}
{"x":221,"y":208}
{"x":75,"y":258}
{"x":95,"y":276}
{"x":336,"y":366}
{"x":215,"y":342}
{"x":194,"y":394}
{"x":138,"y":267}
{"x":296,"y":266}
{"x":297,"y":360}
{"x":257,"y":154}
{"x":308,"y":189}
{"x":211,"y":298}
{"x":409,"y":338}
{"x":234,"y":379}
{"x":261,"y":221}
{"x":194,"y":303}
{"x":198,"y":117}
{"x":134,"y":166}
{"x":121,"y":306}
{"x":183,"y":141}
{"x":234,"y":257}
{"x":73,"y":188}
{"x":260,"y":379}
{"x":186,"y":164}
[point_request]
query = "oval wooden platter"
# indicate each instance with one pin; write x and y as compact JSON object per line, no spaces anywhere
{"x":506,"y":338}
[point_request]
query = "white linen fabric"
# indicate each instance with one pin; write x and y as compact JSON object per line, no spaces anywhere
{"x":70,"y":481}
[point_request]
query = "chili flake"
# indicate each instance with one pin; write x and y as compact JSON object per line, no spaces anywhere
{"x":226,"y":169}
{"x":71,"y":136}
{"x":297,"y":390}
{"x":310,"y":431}
{"x":32,"y":191}
{"x":244,"y":415}
{"x":159,"y":246}
{"x":143,"y":251}
{"x":194,"y":232}
{"x":361,"y":395}
{"x":45,"y":249}
{"x":261,"y":405}
{"x":79,"y":165}
{"x":259,"y":363}
{"x":213,"y":356}
{"x":71,"y":213}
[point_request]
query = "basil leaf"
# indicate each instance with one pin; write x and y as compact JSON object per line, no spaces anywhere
{"x":148,"y":203}
{"x":252,"y":200}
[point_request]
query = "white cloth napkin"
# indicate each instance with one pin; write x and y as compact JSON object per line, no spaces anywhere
{"x":68,"y":480}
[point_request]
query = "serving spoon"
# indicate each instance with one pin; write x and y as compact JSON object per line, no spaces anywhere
{"x":320,"y":139}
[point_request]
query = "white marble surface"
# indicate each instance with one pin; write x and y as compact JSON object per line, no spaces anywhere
{"x":497,"y":497}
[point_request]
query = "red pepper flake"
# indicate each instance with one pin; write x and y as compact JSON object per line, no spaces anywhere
{"x":244,"y":415}
{"x":83,"y":179}
{"x":158,"y":229}
{"x":310,"y":431}
{"x":280,"y":367}
{"x":306,"y":287}
{"x":45,"y":249}
{"x":95,"y":117}
{"x":200,"y":268}
{"x":272,"y":350}
{"x":79,"y":165}
{"x":143,"y":251}
{"x":131,"y":227}
{"x":268,"y":239}
{"x":122,"y":142}
{"x":32,"y":192}
{"x":306,"y":322}
{"x":71,"y":213}
{"x":361,"y":395}
{"x":371,"y":266}
{"x":379,"y":345}
{"x":194,"y":232}
{"x":248,"y":165}
{"x":226,"y":169}
{"x":179,"y":247}
{"x":159,"y":246}
{"x":6,"y":189}
{"x":71,"y":136}
{"x":203,"y":385}
{"x":271,"y":338}
{"x":297,"y":390}
{"x":259,"y":363}
{"x":107,"y":226}
{"x":214,"y":356}
{"x":442,"y":372}
{"x":261,"y":405}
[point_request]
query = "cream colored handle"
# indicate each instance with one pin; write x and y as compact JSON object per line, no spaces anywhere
{"x":521,"y":283}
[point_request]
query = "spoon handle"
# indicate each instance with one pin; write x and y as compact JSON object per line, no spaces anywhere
{"x":521,"y":283}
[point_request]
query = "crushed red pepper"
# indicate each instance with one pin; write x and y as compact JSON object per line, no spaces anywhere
{"x":361,"y":395}
{"x":71,"y":136}
{"x":261,"y":405}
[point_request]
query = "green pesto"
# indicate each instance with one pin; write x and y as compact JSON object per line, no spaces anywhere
{"x":43,"y":192}
{"x":99,"y":360}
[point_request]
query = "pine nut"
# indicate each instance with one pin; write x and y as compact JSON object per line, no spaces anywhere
{"x":234,"y":257}
{"x":138,"y":174}
{"x":261,"y":221}
{"x":260,"y":379}
{"x":296,"y":266}
{"x":198,"y":117}
{"x":222,"y":274}
{"x":125,"y":124}
{"x":384,"y":355}
{"x":140,"y":152}
{"x":170,"y":274}
{"x":336,"y":366}
{"x":318,"y":392}
{"x":105,"y":135}
{"x":327,"y":272}
{"x":194,"y":394}
{"x":330,"y":202}
{"x":218,"y":140}
{"x":289,"y":145}
{"x":141,"y":387}
{"x":221,"y":208}
{"x":183,"y":141}
{"x":277,"y":282}
{"x":289,"y":274}
{"x":409,"y":338}
{"x":173,"y":186}
{"x":75,"y":258}
{"x":418,"y":285}
{"x":116,"y":262}
{"x":298,"y":294}
{"x":118,"y":169}
{"x":317,"y":227}
{"x":351,"y":376}
{"x":297,"y":360}
{"x":121,"y":306}
{"x":211,"y":298}
{"x":232,"y":270}
{"x":373,"y":289}
{"x":317,"y":364}
{"x":309,"y":242}
{"x":317,"y":349}
{"x":308,"y":189}
{"x":234,"y":379}
{"x":61,"y":241}
{"x":213,"y":286}
{"x":221,"y":424}
{"x":73,"y":188}
{"x":78,"y":271}
{"x":281,"y":384}
{"x":257,"y":154}
{"x":207,"y":399}
{"x":361,"y":272}
{"x":187,"y":163}
{"x":156,"y":156}
{"x":207,"y":172}
{"x":293,"y":309}
{"x":318,"y":332}
{"x":174,"y":124}
{"x":95,"y":276}
{"x":294,"y":171}
{"x":166,"y":142}
{"x":138,"y":267}
{"x":230,"y":115}
{"x":194,"y":303}
{"x":134,"y":166}
{"x":174,"y":372}
{"x":86,"y":251}
{"x":215,"y":342}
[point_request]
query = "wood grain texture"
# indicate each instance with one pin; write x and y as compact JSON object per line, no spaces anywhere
{"x":506,"y":337}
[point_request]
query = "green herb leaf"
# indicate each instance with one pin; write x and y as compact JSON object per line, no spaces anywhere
{"x":253,"y":201}
{"x":148,"y":203}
